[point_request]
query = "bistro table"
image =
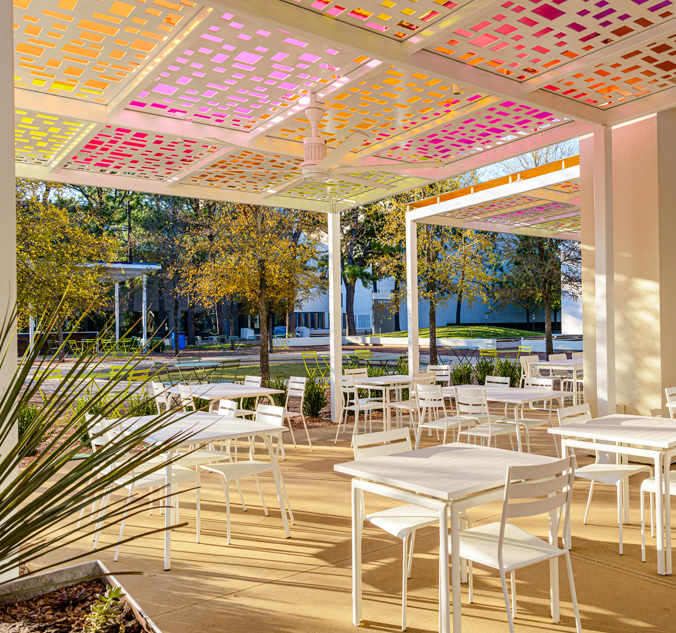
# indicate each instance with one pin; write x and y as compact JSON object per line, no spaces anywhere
{"x":203,"y":428}
{"x":384,"y":384}
{"x":230,"y":391}
{"x":460,"y":475}
{"x":652,"y":438}
{"x":572,"y":365}
{"x":519,"y":397}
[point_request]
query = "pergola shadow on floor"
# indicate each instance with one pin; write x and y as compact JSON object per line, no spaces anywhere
{"x":265,"y":582}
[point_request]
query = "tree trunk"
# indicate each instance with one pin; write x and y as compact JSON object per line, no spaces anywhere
{"x":397,"y":320}
{"x":458,"y":308}
{"x":349,"y":308}
{"x":190,"y":338}
{"x":234,"y":317}
{"x":269,"y":333}
{"x":221,"y":316}
{"x":433,"y":332}
{"x":176,"y":327}
{"x":549,"y":343}
{"x":263,"y":318}
{"x":161,"y":314}
{"x":291,"y":323}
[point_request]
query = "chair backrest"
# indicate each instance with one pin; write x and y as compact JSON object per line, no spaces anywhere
{"x":535,"y":490}
{"x":523,"y":349}
{"x":187,"y":400}
{"x":558,"y":357}
{"x":671,"y":397}
{"x":270,"y":414}
{"x":252,"y":381}
{"x":470,"y":402}
{"x":442,"y":372}
{"x":363,"y":353}
{"x":430,"y":395}
{"x":577,"y":355}
{"x":542,"y":383}
{"x":381,"y":443}
{"x":361,"y":371}
{"x":488,"y":353}
{"x":296,"y":387}
{"x":423,"y":379}
{"x":497,"y":380}
{"x":569,"y":415}
{"x":227,"y":408}
{"x":160,"y":396}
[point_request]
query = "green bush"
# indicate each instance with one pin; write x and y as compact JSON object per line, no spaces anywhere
{"x":402,"y":366}
{"x":461,"y":373}
{"x":315,"y":397}
{"x":375,"y":371}
{"x":27,"y":416}
{"x":278,"y":398}
{"x":509,"y":369}
{"x":484,"y":367}
{"x":95,"y":407}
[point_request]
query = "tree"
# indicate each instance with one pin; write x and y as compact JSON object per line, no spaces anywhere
{"x":549,"y":267}
{"x":254,"y":256}
{"x":59,"y":259}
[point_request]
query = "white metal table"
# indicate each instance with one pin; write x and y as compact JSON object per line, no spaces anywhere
{"x":203,"y":428}
{"x":572,"y":365}
{"x":231,"y":391}
{"x":456,"y":474}
{"x":384,"y":384}
{"x":653,"y":438}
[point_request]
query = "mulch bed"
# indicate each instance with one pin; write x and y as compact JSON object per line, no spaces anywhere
{"x":61,"y":611}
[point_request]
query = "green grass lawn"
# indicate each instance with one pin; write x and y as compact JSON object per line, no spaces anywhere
{"x":281,"y":370}
{"x":467,"y":331}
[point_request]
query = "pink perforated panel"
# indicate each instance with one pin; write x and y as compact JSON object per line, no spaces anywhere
{"x":87,"y":49}
{"x":635,"y":73}
{"x":129,"y":153}
{"x":476,"y":132}
{"x":491,"y":206}
{"x":521,"y":39}
{"x":235,"y":74}
{"x":397,"y":19}
{"x":541,"y":211}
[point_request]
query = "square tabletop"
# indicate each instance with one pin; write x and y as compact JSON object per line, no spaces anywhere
{"x":510,"y":395}
{"x":627,"y":429}
{"x":568,"y":362}
{"x":199,"y":427}
{"x":231,"y":391}
{"x":445,"y":472}
{"x":382,"y":381}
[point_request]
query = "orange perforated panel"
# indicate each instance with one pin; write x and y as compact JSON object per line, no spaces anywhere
{"x":40,"y":137}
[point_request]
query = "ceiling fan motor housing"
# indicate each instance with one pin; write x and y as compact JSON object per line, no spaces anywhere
{"x":315,"y":151}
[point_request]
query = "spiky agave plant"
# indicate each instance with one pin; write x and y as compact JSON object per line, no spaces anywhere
{"x":40,"y":504}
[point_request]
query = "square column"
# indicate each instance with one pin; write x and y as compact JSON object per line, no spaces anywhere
{"x":335,"y":321}
{"x":412,"y":296}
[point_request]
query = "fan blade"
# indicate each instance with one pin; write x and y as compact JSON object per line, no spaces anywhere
{"x":387,"y":167}
{"x":337,"y":154}
{"x":361,"y":181}
{"x":287,"y":185}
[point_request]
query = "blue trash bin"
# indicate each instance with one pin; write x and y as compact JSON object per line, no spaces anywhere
{"x":181,"y":340}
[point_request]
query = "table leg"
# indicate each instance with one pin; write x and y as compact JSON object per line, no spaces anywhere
{"x":386,"y":404}
{"x":168,"y":513}
{"x":357,"y":525}
{"x":278,"y":484}
{"x":667,"y":514}
{"x":455,"y":574}
{"x":659,"y":511}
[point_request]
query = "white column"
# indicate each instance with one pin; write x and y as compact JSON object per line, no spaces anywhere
{"x":605,"y":270}
{"x":7,"y":211}
{"x":412,"y":295}
{"x":144,"y":310}
{"x":31,"y":331}
{"x":117,"y":311}
{"x":335,"y":324}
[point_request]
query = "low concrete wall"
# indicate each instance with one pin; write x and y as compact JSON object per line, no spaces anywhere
{"x":478,"y":343}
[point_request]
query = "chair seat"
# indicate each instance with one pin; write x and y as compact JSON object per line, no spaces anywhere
{"x":179,"y":475}
{"x":529,"y":423}
{"x":235,"y":470}
{"x":401,"y":520}
{"x":197,"y":458}
{"x":451,"y":422}
{"x":649,"y":484}
{"x":520,"y":548}
{"x":404,"y":404}
{"x":496,"y":428}
{"x":609,"y":473}
{"x":364,"y":406}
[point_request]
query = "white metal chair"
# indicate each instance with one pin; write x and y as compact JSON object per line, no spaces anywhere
{"x":529,"y":491}
{"x":671,"y":400}
{"x":577,"y":355}
{"x":433,"y":414}
{"x":442,"y":373}
{"x":402,"y":521}
{"x":410,"y":406}
{"x":605,"y":469}
{"x":296,"y":389}
{"x":352,"y":402}
{"x":472,"y":408}
{"x":234,"y":471}
{"x":554,"y":357}
{"x":649,"y":485}
{"x":161,"y":397}
{"x":250,"y":381}
{"x":500,"y":381}
{"x":525,"y":362}
{"x":186,"y":399}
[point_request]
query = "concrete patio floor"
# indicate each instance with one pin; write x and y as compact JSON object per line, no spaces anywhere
{"x":264,"y":582}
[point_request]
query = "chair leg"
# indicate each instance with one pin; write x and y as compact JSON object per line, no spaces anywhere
{"x":307,"y":433}
{"x":591,"y":492}
{"x":652,"y":515}
{"x":619,"y":512}
{"x":241,"y":496}
{"x":508,"y":608}
{"x":226,"y":490}
{"x":124,"y":520}
{"x":512,"y":582}
{"x":471,"y":582}
{"x":404,"y":583}
{"x":410,"y":554}
{"x":642,"y":495}
{"x":260,"y":493}
{"x":573,"y":594}
{"x":293,"y":437}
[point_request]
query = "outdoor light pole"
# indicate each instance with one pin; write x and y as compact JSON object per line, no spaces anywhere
{"x":144,"y":309}
{"x":117,"y":311}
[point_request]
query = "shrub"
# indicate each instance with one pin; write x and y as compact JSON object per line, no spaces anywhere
{"x":484,"y":367}
{"x":94,"y":407}
{"x":461,"y":373}
{"x":402,"y":365}
{"x":278,"y":398}
{"x":375,"y":371}
{"x":315,"y":397}
{"x":509,"y":369}
{"x":27,"y":416}
{"x":140,"y":404}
